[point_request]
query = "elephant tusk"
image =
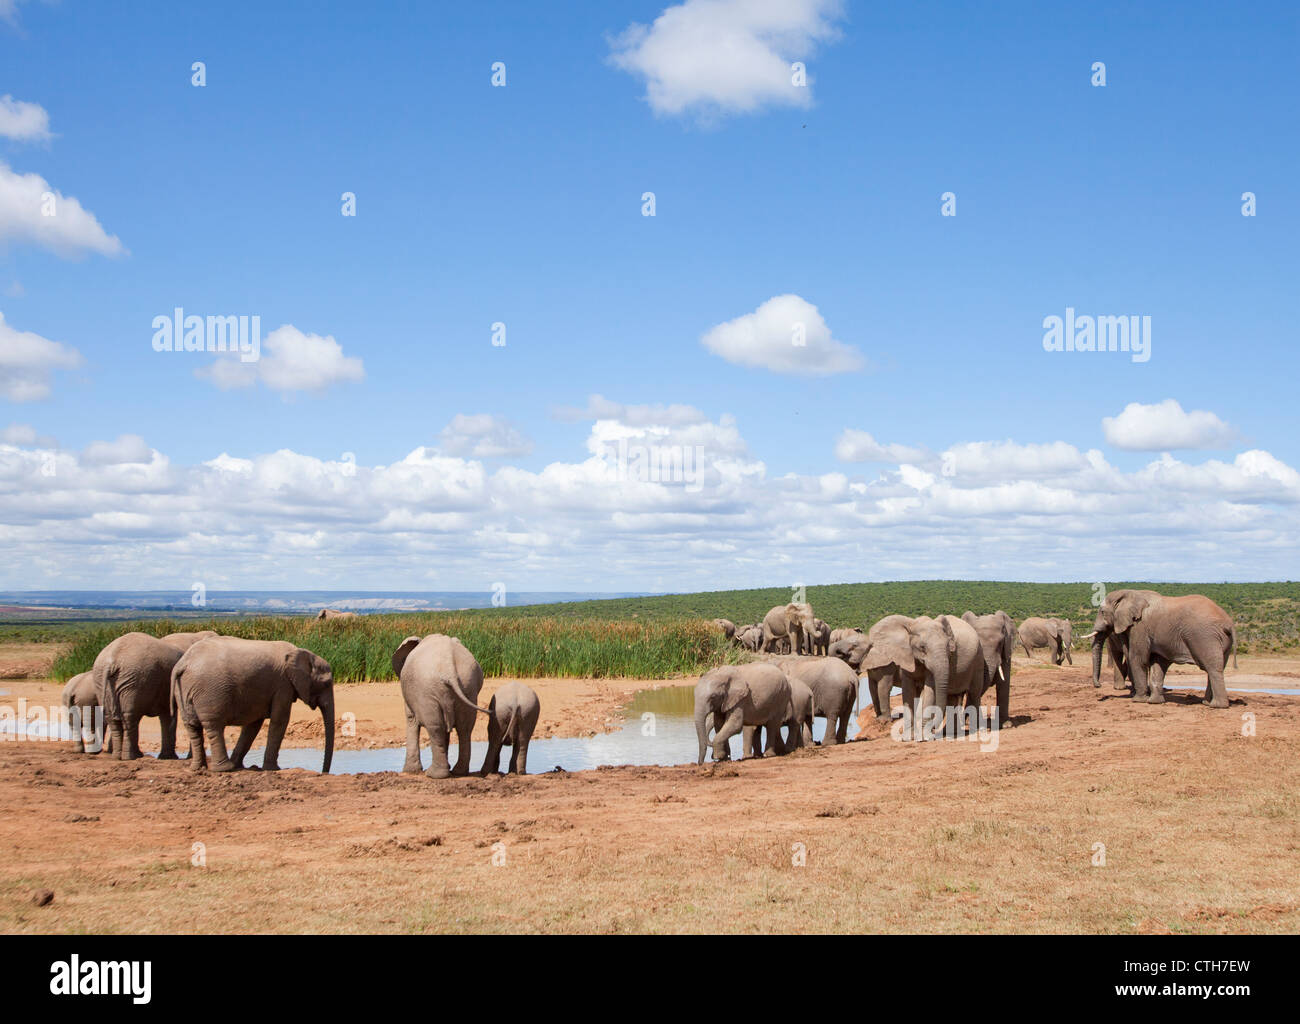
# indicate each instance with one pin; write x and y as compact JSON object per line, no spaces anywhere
{"x":1000,"y":675}
{"x":1090,"y":635}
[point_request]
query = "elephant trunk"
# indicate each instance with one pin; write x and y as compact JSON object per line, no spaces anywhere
{"x":1098,"y":641}
{"x":327,"y":719}
{"x":702,"y":728}
{"x":941,"y":699}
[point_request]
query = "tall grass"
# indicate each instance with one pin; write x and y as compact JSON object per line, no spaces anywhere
{"x":362,"y":649}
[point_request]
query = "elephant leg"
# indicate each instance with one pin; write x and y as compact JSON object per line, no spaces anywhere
{"x":880,"y":694}
{"x":439,"y":767}
{"x":931,"y":712}
{"x":198,"y":755}
{"x":731,"y":725}
{"x":464,"y":732}
{"x":131,"y":737}
{"x":1004,"y":700}
{"x":168,"y":726}
{"x":519,"y":756}
{"x":832,"y":735}
{"x":1156,"y":682}
{"x":772,"y":741}
{"x":412,"y":764}
{"x":747,"y":740}
{"x":1216,"y":687}
{"x":245,"y":742}
{"x":280,"y":710}
{"x":220,"y":758}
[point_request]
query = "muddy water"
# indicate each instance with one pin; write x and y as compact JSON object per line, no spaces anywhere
{"x":659,"y":730}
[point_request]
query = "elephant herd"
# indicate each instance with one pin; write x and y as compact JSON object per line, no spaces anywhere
{"x":938,"y":662}
{"x":210,"y":683}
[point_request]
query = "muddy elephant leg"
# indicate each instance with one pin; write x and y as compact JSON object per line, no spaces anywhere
{"x":217,"y":741}
{"x":412,"y":764}
{"x":731,"y":725}
{"x":130,"y":737}
{"x":280,"y":710}
{"x":464,"y":737}
{"x":167,"y":724}
{"x":492,"y":760}
{"x":519,"y":757}
{"x":772,"y":741}
{"x":245,"y":742}
{"x":439,"y":737}
{"x":198,"y":756}
{"x":1156,"y":683}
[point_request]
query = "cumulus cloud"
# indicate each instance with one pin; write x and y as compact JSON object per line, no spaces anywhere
{"x":715,"y":57}
{"x":27,"y":362}
{"x":26,"y":202}
{"x":482,"y":436}
{"x":786,"y":334}
{"x":859,"y":446}
{"x":127,"y":449}
{"x":291,"y":360}
{"x":23,"y":121}
{"x":1165,"y":427}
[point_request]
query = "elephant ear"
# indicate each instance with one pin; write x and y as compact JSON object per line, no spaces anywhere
{"x":969,"y":618}
{"x":1128,"y":610}
{"x":952,"y":639}
{"x":300,"y":666}
{"x":890,"y":651}
{"x":403,"y":652}
{"x":737,"y":693}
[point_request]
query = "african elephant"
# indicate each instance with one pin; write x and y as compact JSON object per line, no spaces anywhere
{"x":184,"y":641}
{"x":750,"y":637}
{"x":727,"y":626}
{"x":512,"y":717}
{"x":834,"y":686}
{"x":997,"y":633}
{"x":1055,"y":634}
{"x":80,"y":700}
{"x":947,"y":653}
{"x":798,"y":722}
{"x":440,"y":684}
{"x":884,"y":656}
{"x":844,"y":634}
{"x":818,"y":642}
{"x":789,"y":622}
{"x":332,"y":613}
{"x":1155,"y":631}
{"x":729,"y":697}
{"x":132,"y":678}
{"x":228,"y":681}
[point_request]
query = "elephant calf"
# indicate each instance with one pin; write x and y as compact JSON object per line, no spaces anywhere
{"x":512,"y":717}
{"x":730,"y":697}
{"x":81,"y":703}
{"x":798,"y":722}
{"x":834,"y":688}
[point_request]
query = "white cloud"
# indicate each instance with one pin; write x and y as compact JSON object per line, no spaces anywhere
{"x":859,"y":446}
{"x":126,"y":450}
{"x":27,"y":361}
{"x":1165,"y":427}
{"x":482,"y":436}
{"x":290,"y":361}
{"x":23,"y":121}
{"x":717,"y":57}
{"x":786,"y":334}
{"x":70,"y":231}
{"x":599,"y":407}
{"x":119,"y":514}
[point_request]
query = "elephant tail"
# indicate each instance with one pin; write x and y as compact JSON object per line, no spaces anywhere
{"x":460,"y":695}
{"x":1232,"y":635}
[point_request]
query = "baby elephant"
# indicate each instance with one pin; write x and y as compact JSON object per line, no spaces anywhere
{"x":512,"y":717}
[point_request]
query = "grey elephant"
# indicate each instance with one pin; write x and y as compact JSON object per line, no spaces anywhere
{"x":818,"y":642}
{"x":512,"y":716}
{"x":730,"y":697}
{"x":950,"y":667}
{"x":132,"y":677}
{"x":885,"y":657}
{"x":750,"y":637}
{"x":997,"y":633}
{"x":228,"y":681}
{"x":1055,"y":634}
{"x":727,"y":626}
{"x":81,"y":703}
{"x":844,"y":634}
{"x":788,"y":623}
{"x":440,"y":683}
{"x":333,"y":613}
{"x":1154,"y":632}
{"x":798,"y":722}
{"x":184,"y":641}
{"x":834,"y":686}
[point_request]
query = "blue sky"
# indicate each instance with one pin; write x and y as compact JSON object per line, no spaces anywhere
{"x":479,"y":204}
